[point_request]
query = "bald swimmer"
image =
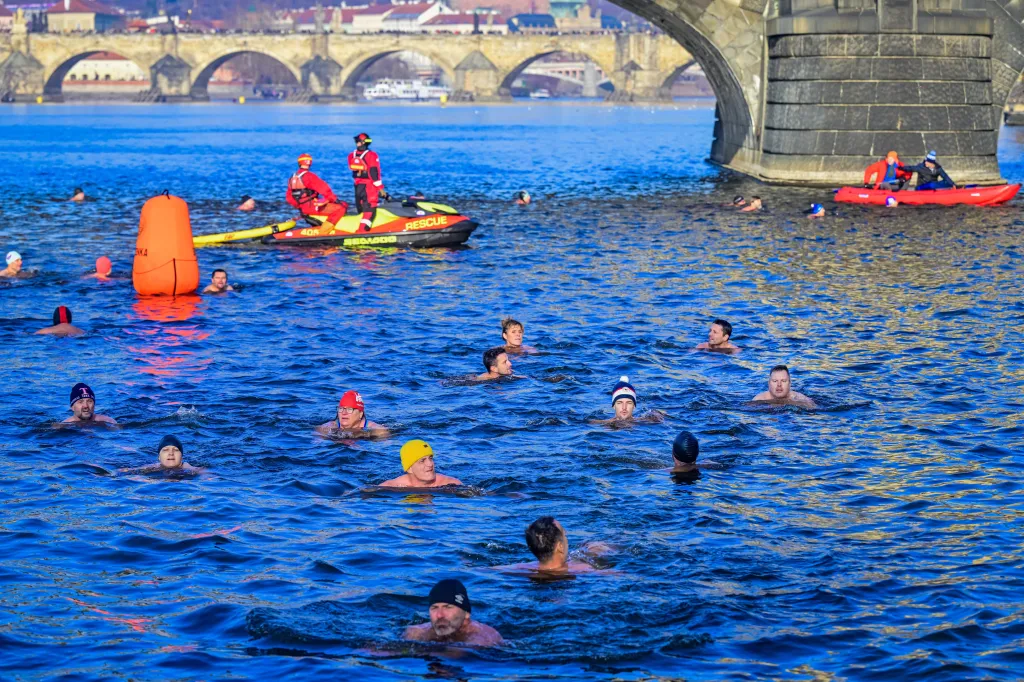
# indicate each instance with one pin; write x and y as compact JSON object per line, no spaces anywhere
{"x":450,"y":619}
{"x":779,"y":391}
{"x":418,"y":462}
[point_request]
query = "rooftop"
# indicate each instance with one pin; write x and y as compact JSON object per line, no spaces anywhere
{"x":82,"y":7}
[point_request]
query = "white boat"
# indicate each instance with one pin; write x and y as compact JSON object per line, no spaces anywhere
{"x":543,"y":93}
{"x":386,"y":88}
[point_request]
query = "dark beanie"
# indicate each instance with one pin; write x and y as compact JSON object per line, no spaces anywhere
{"x":685,"y":448}
{"x":169,"y":440}
{"x":80,"y":392}
{"x":450,"y":591}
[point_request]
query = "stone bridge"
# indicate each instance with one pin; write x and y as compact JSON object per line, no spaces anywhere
{"x":808,"y":91}
{"x":481,"y":67}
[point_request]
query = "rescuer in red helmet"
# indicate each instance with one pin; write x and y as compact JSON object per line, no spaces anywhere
{"x":313,"y":196}
{"x":365,"y":166}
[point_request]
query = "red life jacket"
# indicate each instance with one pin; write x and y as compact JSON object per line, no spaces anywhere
{"x":357,"y":163}
{"x":300,"y":192}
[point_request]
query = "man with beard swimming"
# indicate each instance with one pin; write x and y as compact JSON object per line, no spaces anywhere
{"x":496,"y":363}
{"x":83,"y":405}
{"x":451,"y":621}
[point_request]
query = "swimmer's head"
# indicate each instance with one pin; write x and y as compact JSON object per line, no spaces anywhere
{"x":545,"y":537}
{"x":496,"y":360}
{"x":245,"y":198}
{"x":14,"y":261}
{"x":103,"y":266}
{"x":685,"y":448}
{"x":170,"y":451}
{"x":623,"y":390}
{"x":305,"y":160}
{"x":83,"y":402}
{"x":522,"y":197}
{"x":738,"y":200}
{"x":778,"y":382}
{"x":891,"y":202}
{"x":62,"y":315}
{"x":719,"y":333}
{"x":350,"y":410}
{"x":449,"y":607}
{"x":512,"y":331}
{"x":219,"y":278}
{"x":816,"y":210}
{"x":413,"y":451}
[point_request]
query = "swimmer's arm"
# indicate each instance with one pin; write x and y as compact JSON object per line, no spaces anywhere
{"x":762,"y":396}
{"x":393,"y":483}
{"x":417,"y":633}
{"x":448,"y":480}
{"x":377,"y":430}
{"x":102,"y":418}
{"x":596,"y":548}
{"x":801,"y":399}
{"x":324,"y":428}
{"x":702,"y":346}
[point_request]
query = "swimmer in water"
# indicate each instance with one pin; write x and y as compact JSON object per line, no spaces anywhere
{"x":719,"y":338}
{"x":13,"y":265}
{"x":417,"y":196}
{"x":738,"y":201}
{"x":171,"y":453}
{"x":450,"y":620}
{"x":83,"y":405}
{"x":816,"y":211}
{"x":103,"y":268}
{"x":624,"y":404}
{"x":248,"y":204}
{"x":62,"y":324}
{"x":522,"y":198}
{"x":754,"y":205}
{"x":78,"y":195}
{"x":512,"y":332}
{"x":218,"y":283}
{"x":418,"y":463}
{"x":547,"y":540}
{"x":779,"y":391}
{"x":496,"y":363}
{"x":685,"y":449}
{"x":352,"y":419}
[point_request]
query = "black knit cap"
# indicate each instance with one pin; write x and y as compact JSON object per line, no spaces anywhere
{"x":170,"y":440}
{"x":450,"y":591}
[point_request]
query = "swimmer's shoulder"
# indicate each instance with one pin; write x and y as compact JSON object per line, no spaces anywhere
{"x":104,"y":419}
{"x":418,"y":633}
{"x":446,"y":480}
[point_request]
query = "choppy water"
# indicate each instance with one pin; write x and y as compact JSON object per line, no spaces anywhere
{"x":877,"y":538}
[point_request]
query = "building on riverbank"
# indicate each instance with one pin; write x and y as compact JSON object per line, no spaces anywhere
{"x":69,"y":16}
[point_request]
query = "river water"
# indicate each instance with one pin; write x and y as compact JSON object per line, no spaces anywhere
{"x":877,"y":538}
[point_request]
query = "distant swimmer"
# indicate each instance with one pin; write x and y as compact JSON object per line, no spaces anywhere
{"x":62,"y":324}
{"x":313,"y":196}
{"x":547,"y":540}
{"x":816,"y":211}
{"x":218,"y":283}
{"x":738,"y":201}
{"x":248,"y":204}
{"x":512,"y":332}
{"x":172,"y":456}
{"x":417,"y":196}
{"x":522,"y":198}
{"x":624,"y":404}
{"x":719,"y":336}
{"x":352,"y":418}
{"x":450,"y":619}
{"x":779,"y":391}
{"x":497,"y":364}
{"x":418,"y":463}
{"x":754,"y":205}
{"x":78,"y":195}
{"x":103,"y":268}
{"x":13,"y":265}
{"x":83,"y":405}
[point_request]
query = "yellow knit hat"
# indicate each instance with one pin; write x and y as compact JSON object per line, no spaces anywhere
{"x":414,"y":451}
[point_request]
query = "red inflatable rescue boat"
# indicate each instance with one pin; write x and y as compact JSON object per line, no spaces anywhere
{"x":977,"y":196}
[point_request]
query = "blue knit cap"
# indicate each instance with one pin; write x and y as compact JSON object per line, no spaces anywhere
{"x":932,"y":156}
{"x":624,"y":389}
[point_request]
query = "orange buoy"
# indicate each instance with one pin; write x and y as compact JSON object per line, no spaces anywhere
{"x":165,"y":260}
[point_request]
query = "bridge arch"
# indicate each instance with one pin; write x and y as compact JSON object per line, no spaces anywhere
{"x":505,"y":88}
{"x":201,"y":81}
{"x":53,"y":86}
{"x":352,"y":76}
{"x":666,"y":85}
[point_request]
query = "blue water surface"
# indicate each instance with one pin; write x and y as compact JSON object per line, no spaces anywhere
{"x":877,"y":538}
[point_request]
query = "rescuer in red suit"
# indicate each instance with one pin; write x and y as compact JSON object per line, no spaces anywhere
{"x":365,"y":166}
{"x":313,"y":196}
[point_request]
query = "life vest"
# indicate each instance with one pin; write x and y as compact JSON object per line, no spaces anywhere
{"x":299,"y":191}
{"x":360,"y":169}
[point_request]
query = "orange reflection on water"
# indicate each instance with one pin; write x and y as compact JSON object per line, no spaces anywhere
{"x":156,"y":350}
{"x":166,"y":308}
{"x":137,"y":624}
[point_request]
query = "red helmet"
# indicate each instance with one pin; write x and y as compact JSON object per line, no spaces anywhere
{"x":305,"y":159}
{"x":362,"y":138}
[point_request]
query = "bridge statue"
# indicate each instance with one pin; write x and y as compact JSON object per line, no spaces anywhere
{"x":808,"y":91}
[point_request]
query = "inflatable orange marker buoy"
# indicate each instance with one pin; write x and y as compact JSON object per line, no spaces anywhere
{"x":165,"y":260}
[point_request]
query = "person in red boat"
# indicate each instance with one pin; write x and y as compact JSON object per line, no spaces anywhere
{"x":369,"y":185}
{"x":313,"y":196}
{"x":888,"y":173}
